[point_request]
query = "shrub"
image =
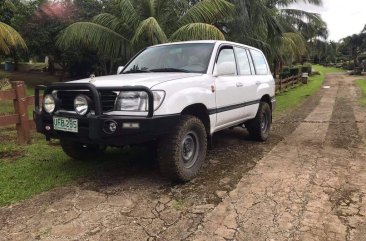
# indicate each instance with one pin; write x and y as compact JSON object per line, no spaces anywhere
{"x":348,"y":65}
{"x":306,"y":68}
{"x":296,"y":70}
{"x":285,"y":72}
{"x":4,"y":84}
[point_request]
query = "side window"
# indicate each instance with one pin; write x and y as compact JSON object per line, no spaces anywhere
{"x":259,"y":62}
{"x":243,"y":61}
{"x":226,"y":55}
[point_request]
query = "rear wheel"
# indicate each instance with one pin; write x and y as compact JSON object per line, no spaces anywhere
{"x":260,"y":126}
{"x":182,"y":153}
{"x":80,"y":151}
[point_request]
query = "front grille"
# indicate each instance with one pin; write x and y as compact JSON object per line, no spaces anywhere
{"x":67,"y":99}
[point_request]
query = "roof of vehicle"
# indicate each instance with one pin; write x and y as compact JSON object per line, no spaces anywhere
{"x":208,"y":41}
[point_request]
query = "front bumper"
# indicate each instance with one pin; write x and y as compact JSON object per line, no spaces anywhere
{"x":91,"y":128}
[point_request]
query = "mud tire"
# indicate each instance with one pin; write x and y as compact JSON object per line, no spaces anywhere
{"x":174,"y":149}
{"x":260,"y":126}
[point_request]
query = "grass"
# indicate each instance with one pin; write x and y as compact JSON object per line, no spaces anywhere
{"x":32,"y":169}
{"x":362,"y":84}
{"x":38,"y":167}
{"x":290,"y":99}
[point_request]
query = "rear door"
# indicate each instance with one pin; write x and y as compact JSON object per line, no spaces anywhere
{"x":260,"y":80}
{"x":246,"y":80}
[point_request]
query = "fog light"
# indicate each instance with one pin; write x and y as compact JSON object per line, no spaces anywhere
{"x":110,"y":127}
{"x":48,"y":128}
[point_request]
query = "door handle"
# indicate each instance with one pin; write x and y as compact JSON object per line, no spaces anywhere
{"x":258,"y":83}
{"x":239,"y":84}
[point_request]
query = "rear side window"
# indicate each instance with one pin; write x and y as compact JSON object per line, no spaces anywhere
{"x":243,"y":61}
{"x":260,"y":63}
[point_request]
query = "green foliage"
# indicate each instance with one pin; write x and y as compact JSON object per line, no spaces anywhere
{"x":150,"y":29}
{"x":361,"y":83}
{"x":296,"y":70}
{"x":306,"y":68}
{"x":353,"y":46}
{"x":9,"y":37}
{"x":208,"y":11}
{"x":40,"y":167}
{"x":281,"y":32}
{"x":148,"y":22}
{"x":88,"y":33}
{"x":197,"y":31}
{"x":285,"y":72}
{"x":348,"y":65}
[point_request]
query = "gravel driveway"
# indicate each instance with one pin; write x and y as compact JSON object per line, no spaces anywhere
{"x":307,"y":183}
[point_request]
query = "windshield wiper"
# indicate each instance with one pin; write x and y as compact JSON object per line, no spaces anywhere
{"x":132,"y":71}
{"x":169,"y":70}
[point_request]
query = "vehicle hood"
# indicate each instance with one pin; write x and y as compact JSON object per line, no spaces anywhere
{"x":145,"y":79}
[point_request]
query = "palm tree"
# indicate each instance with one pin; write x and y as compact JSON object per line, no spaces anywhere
{"x":273,"y":27}
{"x":9,"y":37}
{"x":355,"y":45}
{"x":148,"y":22}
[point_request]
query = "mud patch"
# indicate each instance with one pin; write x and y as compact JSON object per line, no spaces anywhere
{"x":11,"y":155}
{"x":343,"y":132}
{"x":347,"y":204}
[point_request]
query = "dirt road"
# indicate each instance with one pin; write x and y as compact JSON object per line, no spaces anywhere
{"x":307,"y":183}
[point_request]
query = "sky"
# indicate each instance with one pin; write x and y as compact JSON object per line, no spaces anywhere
{"x":343,"y":17}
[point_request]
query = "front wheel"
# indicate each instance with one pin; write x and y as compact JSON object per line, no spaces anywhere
{"x":182,"y":153}
{"x":260,"y":126}
{"x":81,"y":152}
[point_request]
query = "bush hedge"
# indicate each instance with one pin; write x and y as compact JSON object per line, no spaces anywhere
{"x":306,"y":68}
{"x":295,"y":70}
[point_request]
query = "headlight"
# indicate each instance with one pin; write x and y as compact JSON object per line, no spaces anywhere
{"x":81,"y":104}
{"x":138,"y":100}
{"x":49,"y":103}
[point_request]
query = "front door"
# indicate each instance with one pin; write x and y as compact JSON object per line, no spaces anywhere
{"x":228,"y":92}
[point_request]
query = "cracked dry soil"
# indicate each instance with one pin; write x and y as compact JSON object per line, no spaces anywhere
{"x":307,"y":183}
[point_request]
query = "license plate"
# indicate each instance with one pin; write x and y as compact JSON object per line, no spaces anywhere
{"x":65,"y":124}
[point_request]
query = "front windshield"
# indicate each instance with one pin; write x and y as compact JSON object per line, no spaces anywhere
{"x":190,"y":58}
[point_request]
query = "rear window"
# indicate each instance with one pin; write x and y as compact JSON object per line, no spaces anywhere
{"x":259,"y":62}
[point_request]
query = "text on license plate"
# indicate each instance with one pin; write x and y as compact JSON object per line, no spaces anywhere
{"x":65,"y":124}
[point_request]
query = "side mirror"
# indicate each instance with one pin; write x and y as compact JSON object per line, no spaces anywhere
{"x":120,"y":68}
{"x":225,"y":68}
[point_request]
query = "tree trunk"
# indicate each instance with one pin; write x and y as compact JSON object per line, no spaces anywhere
{"x":51,"y":65}
{"x":276,"y":68}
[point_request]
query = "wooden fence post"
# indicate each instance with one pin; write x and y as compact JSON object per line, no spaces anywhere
{"x":280,"y":85}
{"x":20,"y":107}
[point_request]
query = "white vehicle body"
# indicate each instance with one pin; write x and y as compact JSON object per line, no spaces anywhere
{"x":176,"y":95}
{"x":230,"y":99}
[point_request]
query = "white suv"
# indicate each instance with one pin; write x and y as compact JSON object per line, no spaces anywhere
{"x":177,"y":95}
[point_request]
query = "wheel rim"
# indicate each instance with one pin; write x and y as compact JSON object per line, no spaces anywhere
{"x":189,"y":149}
{"x":264,"y":123}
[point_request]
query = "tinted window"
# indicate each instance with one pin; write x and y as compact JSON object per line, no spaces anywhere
{"x":192,"y":57}
{"x":243,"y":62}
{"x":226,"y":55}
{"x":259,"y":62}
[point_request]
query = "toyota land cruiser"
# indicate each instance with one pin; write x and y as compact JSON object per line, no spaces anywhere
{"x":177,"y":95}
